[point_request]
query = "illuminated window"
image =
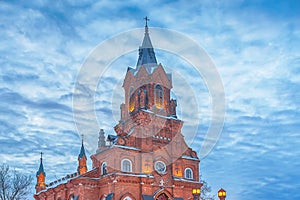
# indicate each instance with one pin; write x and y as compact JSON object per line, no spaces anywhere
{"x":131,"y":103}
{"x":127,"y":198}
{"x":159,"y":96}
{"x":177,"y":170}
{"x":188,"y":173}
{"x":104,"y":168}
{"x":126,"y":165}
{"x":131,"y":99}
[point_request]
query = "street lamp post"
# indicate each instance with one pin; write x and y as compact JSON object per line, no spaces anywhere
{"x":222,"y":194}
{"x":196,"y":193}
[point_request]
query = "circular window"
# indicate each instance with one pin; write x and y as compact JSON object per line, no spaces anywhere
{"x":160,"y":167}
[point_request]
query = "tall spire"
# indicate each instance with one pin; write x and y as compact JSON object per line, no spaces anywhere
{"x":146,"y":26}
{"x":41,"y":168}
{"x":82,"y":150}
{"x":146,"y":52}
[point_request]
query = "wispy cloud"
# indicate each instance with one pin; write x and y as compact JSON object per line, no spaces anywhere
{"x":254,"y":45}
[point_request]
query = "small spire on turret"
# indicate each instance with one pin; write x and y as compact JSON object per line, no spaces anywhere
{"x":41,"y":168}
{"x":40,"y":176}
{"x":82,"y":150}
{"x":82,"y":168}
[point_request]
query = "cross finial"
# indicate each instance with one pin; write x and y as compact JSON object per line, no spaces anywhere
{"x":41,"y":155}
{"x":82,"y":138}
{"x":146,"y":26}
{"x":146,"y":19}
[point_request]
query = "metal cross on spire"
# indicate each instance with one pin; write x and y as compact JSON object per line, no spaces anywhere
{"x":41,"y":155}
{"x":146,"y":19}
{"x":82,"y":135}
{"x":146,"y":26}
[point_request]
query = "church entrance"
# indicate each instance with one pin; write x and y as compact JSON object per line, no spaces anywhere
{"x":162,"y":196}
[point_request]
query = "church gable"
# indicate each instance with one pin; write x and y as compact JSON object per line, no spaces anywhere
{"x":128,"y":78}
{"x":161,"y":77}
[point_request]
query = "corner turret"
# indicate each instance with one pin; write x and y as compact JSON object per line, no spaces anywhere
{"x":82,"y":168}
{"x":40,"y":176}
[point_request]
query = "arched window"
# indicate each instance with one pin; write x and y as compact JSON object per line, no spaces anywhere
{"x":71,"y":197}
{"x":126,"y":165}
{"x":127,"y":198}
{"x":104,"y":168}
{"x":159,"y":96}
{"x":188,"y":173}
{"x":131,"y":99}
{"x":131,"y":103}
{"x":162,"y":196}
{"x":130,"y":91}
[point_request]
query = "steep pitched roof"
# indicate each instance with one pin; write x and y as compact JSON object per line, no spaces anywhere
{"x":146,"y":52}
{"x":41,"y":168}
{"x":82,"y":151}
{"x":147,"y":59}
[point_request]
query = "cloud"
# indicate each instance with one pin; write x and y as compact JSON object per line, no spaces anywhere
{"x":253,"y":44}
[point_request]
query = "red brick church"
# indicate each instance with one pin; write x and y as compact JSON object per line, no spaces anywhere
{"x":147,"y":158}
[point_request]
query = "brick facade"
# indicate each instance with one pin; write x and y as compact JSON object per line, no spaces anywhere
{"x":148,"y":157}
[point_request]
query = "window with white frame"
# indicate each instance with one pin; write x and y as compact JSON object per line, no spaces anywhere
{"x":126,"y":165}
{"x":188,"y":173}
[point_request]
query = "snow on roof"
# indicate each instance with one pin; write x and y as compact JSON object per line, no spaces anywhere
{"x":136,"y":175}
{"x":189,"y":157}
{"x":127,"y":147}
{"x":185,"y":180}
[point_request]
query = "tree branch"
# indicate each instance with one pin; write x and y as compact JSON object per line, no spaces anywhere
{"x":13,"y":185}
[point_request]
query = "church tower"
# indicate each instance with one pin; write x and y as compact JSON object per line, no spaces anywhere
{"x":82,"y":168}
{"x":40,"y":176}
{"x":147,"y":157}
{"x":148,"y":144}
{"x":147,"y":86}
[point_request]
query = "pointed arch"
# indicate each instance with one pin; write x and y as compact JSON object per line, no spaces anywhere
{"x":127,"y":196}
{"x":158,"y":96}
{"x":130,"y":91}
{"x":104,"y":168}
{"x":163,"y":195}
{"x":131,"y":99}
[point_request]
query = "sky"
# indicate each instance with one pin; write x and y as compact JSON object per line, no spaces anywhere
{"x":254,"y":46}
